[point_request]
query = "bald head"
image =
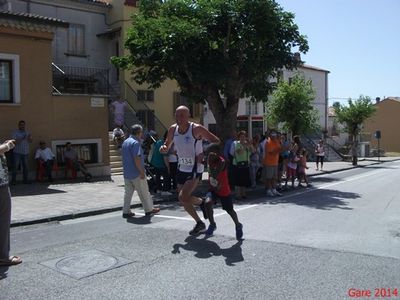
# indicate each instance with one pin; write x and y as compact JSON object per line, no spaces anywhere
{"x":182,"y":115}
{"x":183,"y":108}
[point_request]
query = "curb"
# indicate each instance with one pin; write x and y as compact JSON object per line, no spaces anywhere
{"x":82,"y":214}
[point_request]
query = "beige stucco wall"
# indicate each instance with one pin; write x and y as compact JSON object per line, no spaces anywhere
{"x":48,"y":117}
{"x":34,"y":50}
{"x":387,"y":121}
{"x":75,"y":118}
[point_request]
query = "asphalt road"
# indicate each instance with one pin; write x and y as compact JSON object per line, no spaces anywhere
{"x":314,"y":243}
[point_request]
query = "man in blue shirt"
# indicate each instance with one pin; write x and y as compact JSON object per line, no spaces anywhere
{"x":135,"y":174}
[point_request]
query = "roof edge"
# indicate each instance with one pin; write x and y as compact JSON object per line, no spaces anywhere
{"x":4,"y":14}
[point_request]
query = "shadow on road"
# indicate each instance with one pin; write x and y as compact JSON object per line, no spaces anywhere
{"x":322,"y":179}
{"x":44,"y":188}
{"x":3,"y":272}
{"x":143,"y":220}
{"x":325,"y":199}
{"x":205,"y":248}
{"x":33,"y":190}
{"x":385,"y":167}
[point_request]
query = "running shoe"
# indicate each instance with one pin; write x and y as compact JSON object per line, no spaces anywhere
{"x":276,"y":193}
{"x":270,"y":193}
{"x":200,"y":227}
{"x":210,"y":230}
{"x":239,"y":231}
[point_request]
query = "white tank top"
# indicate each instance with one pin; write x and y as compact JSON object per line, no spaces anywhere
{"x":187,"y":148}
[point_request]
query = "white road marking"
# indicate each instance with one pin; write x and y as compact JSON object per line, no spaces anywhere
{"x":237,"y":210}
{"x":166,"y":217}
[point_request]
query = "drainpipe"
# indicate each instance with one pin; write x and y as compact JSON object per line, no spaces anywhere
{"x":326,"y":104}
{"x":28,"y":6}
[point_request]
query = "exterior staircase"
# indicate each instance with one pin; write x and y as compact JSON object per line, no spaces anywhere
{"x":115,"y":157}
{"x":332,"y":148}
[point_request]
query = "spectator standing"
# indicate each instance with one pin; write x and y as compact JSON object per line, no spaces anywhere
{"x":285,"y":151}
{"x":240,"y":151}
{"x":271,"y":159}
{"x":21,"y":151}
{"x":160,"y":163}
{"x":228,"y":157}
{"x":118,"y":108}
{"x":173,"y":167}
{"x":255,"y":161}
{"x":45,"y":156}
{"x":135,"y":174}
{"x":320,"y":153}
{"x":5,"y":209}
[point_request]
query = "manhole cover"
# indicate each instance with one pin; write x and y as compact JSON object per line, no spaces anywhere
{"x":83,"y":264}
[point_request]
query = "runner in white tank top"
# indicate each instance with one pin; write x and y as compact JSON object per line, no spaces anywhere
{"x":188,"y":148}
{"x":183,"y":135}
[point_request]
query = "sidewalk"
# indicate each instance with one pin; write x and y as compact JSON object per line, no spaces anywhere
{"x":37,"y":202}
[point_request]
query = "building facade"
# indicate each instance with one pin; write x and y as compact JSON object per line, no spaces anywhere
{"x":27,"y":94}
{"x":386,"y":121}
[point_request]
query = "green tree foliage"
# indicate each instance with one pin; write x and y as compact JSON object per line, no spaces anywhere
{"x":354,"y":114}
{"x":217,"y":50}
{"x":292,"y":106}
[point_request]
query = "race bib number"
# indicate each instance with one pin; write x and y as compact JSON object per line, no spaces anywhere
{"x":213,"y":182}
{"x":186,"y":161}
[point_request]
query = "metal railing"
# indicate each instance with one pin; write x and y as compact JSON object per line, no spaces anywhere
{"x":336,"y":147}
{"x":79,"y":80}
{"x":310,"y":145}
{"x":144,"y":113}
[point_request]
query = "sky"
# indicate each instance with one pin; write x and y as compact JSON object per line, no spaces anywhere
{"x":358,"y":41}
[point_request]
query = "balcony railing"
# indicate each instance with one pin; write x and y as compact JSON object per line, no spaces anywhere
{"x":80,"y":80}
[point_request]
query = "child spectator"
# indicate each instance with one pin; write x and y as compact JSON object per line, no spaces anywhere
{"x":302,"y":168}
{"x":292,"y":165}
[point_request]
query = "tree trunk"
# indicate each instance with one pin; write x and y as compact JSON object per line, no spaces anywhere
{"x":225,"y":117}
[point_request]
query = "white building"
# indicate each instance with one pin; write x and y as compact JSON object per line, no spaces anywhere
{"x":250,"y":116}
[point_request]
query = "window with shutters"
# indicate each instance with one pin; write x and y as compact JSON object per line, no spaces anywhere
{"x":145,"y":95}
{"x":9,"y":78}
{"x":6,"y":82}
{"x":76,"y":40}
{"x":251,"y":108}
{"x":146,"y":117}
{"x":182,"y":100}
